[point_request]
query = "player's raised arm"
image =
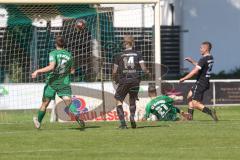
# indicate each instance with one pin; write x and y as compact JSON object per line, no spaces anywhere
{"x":114,"y":70}
{"x":147,"y":112}
{"x":190,"y":74}
{"x":144,"y":68}
{"x":72,"y":70}
{"x":142,"y":64}
{"x":189,"y":59}
{"x":198,"y":66}
{"x":48,"y":68}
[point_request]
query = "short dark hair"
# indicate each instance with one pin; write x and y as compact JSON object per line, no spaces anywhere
{"x":209,"y":44}
{"x":60,"y":41}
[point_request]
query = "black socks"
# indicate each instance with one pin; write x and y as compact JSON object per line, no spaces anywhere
{"x":207,"y":111}
{"x":191,"y":111}
{"x":132,"y":112}
{"x":120,"y":113}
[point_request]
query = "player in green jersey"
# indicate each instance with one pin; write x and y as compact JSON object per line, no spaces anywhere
{"x":58,"y":81}
{"x":162,"y":107}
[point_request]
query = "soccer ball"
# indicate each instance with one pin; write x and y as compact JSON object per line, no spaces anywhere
{"x":80,"y":24}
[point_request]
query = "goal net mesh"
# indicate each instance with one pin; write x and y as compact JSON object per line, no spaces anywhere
{"x":27,"y":35}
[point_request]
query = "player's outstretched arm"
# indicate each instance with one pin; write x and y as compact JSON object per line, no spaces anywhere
{"x":48,"y":68}
{"x":190,"y":75}
{"x":72,"y":70}
{"x":147,"y":112}
{"x":114,"y":73}
{"x":189,"y":59}
{"x":144,"y":68}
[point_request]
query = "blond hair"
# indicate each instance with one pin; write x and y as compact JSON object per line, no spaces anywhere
{"x":128,"y":40}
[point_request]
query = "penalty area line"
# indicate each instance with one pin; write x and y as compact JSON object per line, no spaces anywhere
{"x":41,"y":150}
{"x":197,"y":148}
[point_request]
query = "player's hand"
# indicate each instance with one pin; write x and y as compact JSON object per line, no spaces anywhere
{"x":181,"y":80}
{"x":72,"y":70}
{"x":115,"y":79}
{"x":34,"y":74}
{"x":149,"y":74}
{"x":189,"y":59}
{"x":144,"y":119}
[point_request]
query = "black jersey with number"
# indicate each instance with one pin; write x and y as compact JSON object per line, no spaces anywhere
{"x":205,"y":65}
{"x":128,"y":64}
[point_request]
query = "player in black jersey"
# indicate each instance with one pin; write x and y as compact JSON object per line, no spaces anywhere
{"x":203,"y":70}
{"x":126,"y":73}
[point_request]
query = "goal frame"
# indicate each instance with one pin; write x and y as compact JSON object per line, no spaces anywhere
{"x":157,"y":37}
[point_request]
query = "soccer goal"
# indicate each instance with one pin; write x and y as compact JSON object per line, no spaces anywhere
{"x":93,"y":32}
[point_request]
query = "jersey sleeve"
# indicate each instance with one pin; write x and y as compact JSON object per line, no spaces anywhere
{"x":201,"y":63}
{"x":140,"y":58}
{"x":147,"y":110}
{"x":166,"y":99}
{"x":169,"y":100}
{"x":52,"y":57}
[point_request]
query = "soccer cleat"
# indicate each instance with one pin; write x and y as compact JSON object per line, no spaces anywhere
{"x":123,"y":127}
{"x":214,"y":115}
{"x":37,"y":124}
{"x":80,"y":122}
{"x":133,"y":123}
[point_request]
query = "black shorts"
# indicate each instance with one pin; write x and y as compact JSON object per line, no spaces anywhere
{"x":128,"y":88}
{"x":198,"y":90}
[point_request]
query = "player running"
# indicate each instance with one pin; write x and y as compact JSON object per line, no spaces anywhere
{"x":126,"y":73}
{"x":162,"y":107}
{"x":203,"y":70}
{"x":58,"y":81}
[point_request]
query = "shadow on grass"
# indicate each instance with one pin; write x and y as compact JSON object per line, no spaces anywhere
{"x":82,"y":129}
{"x":151,"y":126}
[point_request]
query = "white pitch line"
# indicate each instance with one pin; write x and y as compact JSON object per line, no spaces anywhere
{"x":13,"y":132}
{"x":46,"y":150}
{"x":23,"y":122}
{"x":78,"y":149}
{"x":223,"y":147}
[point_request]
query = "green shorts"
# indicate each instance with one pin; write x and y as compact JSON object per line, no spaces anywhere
{"x":50,"y":92}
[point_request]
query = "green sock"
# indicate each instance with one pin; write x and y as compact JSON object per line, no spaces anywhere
{"x":41,"y":114}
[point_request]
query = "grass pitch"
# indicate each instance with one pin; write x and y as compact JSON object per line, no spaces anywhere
{"x":201,"y":139}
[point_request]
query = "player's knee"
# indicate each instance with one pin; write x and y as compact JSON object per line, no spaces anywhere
{"x":119,"y":103}
{"x":189,"y":99}
{"x":189,"y":96}
{"x":45,"y":103}
{"x":195,"y":104}
{"x":132,"y":101}
{"x":132,"y":109}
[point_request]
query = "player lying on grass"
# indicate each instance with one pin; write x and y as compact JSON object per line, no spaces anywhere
{"x":58,"y":81}
{"x":162,"y":107}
